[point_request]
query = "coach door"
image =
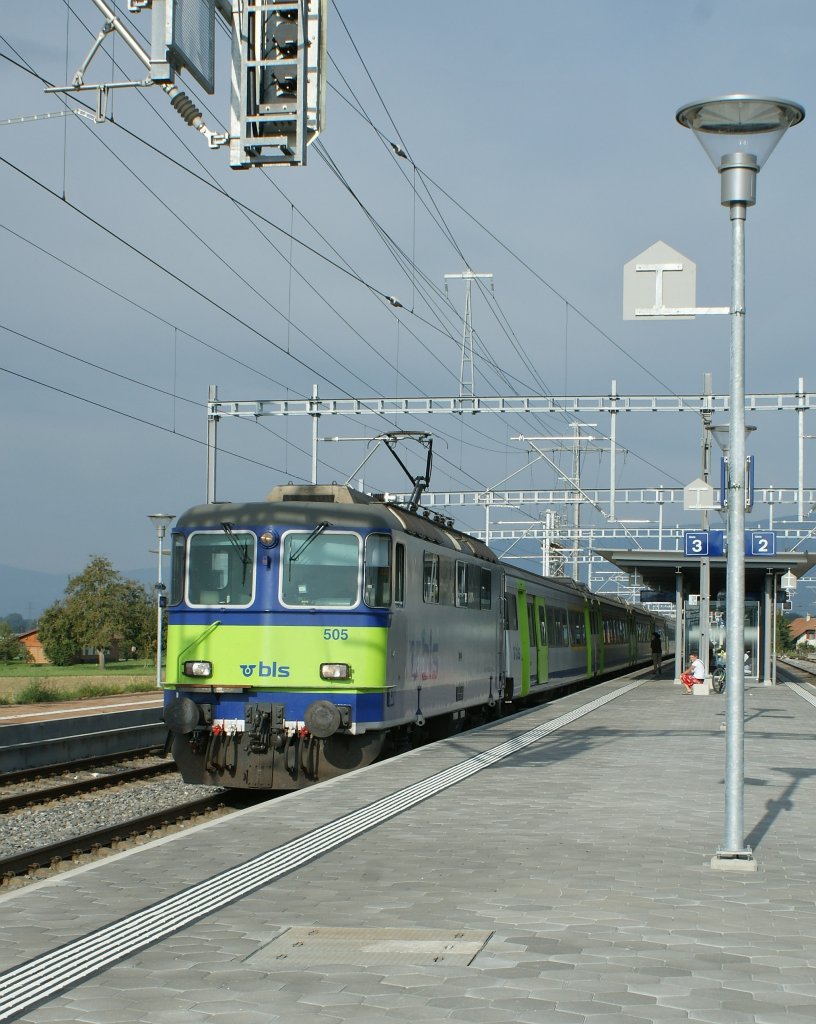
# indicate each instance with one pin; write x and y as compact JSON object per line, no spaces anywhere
{"x":594,"y":657}
{"x":512,"y":647}
{"x":527,"y":647}
{"x":544,"y":646}
{"x":532,"y":633}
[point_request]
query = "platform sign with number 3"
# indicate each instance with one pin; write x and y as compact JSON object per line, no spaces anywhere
{"x":695,"y":543}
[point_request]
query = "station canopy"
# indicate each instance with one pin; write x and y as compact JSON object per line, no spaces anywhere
{"x":658,"y":569}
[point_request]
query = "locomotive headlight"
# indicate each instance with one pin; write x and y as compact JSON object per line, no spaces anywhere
{"x":197,"y":668}
{"x":335,"y":670}
{"x":269,"y":538}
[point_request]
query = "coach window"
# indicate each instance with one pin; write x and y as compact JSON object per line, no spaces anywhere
{"x":485,"y":588}
{"x":542,"y":624}
{"x":430,"y":578}
{"x":557,"y":628}
{"x":531,"y":623}
{"x":377,"y":572}
{"x":221,"y":568}
{"x":179,"y":545}
{"x":577,"y":628}
{"x":399,"y":575}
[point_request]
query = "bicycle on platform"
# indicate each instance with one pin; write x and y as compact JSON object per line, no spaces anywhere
{"x":718,"y":679}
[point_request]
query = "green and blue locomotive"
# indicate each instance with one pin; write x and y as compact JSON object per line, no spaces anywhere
{"x":308,"y":630}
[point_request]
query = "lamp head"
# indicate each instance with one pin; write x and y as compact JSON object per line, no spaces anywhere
{"x":722,"y":435}
{"x":161,"y":520}
{"x":739,"y":133}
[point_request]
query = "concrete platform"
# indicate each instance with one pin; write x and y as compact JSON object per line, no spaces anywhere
{"x":552,"y":867}
{"x":38,"y":736}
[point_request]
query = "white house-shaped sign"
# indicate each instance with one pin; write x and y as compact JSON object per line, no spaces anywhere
{"x":659,"y":278}
{"x":698,"y":496}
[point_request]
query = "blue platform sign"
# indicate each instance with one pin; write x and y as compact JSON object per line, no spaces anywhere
{"x":760,"y":543}
{"x":703,"y":543}
{"x":695,"y":543}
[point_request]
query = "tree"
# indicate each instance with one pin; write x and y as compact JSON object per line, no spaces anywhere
{"x":784,"y":640}
{"x":10,"y":647}
{"x":56,"y":635}
{"x":103,"y":608}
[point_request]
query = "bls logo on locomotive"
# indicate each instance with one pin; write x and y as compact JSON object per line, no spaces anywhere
{"x":266,"y":671}
{"x":424,"y":655}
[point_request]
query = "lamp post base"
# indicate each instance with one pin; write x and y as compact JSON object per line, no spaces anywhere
{"x":742,"y":860}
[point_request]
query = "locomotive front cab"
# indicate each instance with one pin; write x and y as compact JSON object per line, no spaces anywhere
{"x":276,"y":651}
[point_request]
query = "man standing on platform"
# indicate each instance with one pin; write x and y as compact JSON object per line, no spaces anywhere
{"x":657,"y":656}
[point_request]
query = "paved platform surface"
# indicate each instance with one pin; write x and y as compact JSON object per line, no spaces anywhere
{"x":577,"y":866}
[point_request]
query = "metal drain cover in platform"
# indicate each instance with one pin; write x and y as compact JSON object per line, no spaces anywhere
{"x":368,"y":947}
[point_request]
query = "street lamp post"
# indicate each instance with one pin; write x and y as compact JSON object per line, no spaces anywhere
{"x":738,"y":133}
{"x":161,"y":521}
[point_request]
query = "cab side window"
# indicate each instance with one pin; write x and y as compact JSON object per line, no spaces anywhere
{"x":430,"y":578}
{"x":377,"y":583}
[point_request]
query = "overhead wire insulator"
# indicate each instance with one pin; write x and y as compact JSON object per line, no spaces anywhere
{"x":184,"y":106}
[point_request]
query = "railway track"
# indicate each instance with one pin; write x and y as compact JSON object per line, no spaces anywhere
{"x":37,"y":789}
{"x":78,"y":764}
{"x":103,"y":799}
{"x":72,"y":849}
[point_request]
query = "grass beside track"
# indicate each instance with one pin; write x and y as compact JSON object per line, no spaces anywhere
{"x":46,"y":684}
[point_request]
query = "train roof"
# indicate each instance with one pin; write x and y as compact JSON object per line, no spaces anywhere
{"x":305,"y":505}
{"x":570,"y":586}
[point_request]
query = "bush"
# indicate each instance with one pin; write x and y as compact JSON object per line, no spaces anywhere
{"x":10,"y":647}
{"x":38,"y":692}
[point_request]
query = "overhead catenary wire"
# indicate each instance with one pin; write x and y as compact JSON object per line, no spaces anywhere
{"x":137,"y":419}
{"x":401,"y":151}
{"x":451,"y":236}
{"x":275,"y":225}
{"x":568,"y":305}
{"x":202,"y":406}
{"x":155,"y":263}
{"x":220,"y":188}
{"x":448,"y":196}
{"x":380,"y":97}
{"x":441,"y":459}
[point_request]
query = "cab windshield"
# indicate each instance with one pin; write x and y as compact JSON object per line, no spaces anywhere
{"x":221,"y":568}
{"x":320,"y":568}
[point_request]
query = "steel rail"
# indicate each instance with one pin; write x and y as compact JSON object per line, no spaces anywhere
{"x":80,"y":764}
{"x":45,"y":856}
{"x":18,"y":801}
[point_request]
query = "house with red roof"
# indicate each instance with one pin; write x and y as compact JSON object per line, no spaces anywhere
{"x":803,"y":631}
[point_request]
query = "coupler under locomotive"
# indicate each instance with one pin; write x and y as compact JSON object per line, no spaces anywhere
{"x":267,"y":753}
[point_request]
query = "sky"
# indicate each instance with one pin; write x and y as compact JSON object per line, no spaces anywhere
{"x":139,"y":269}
